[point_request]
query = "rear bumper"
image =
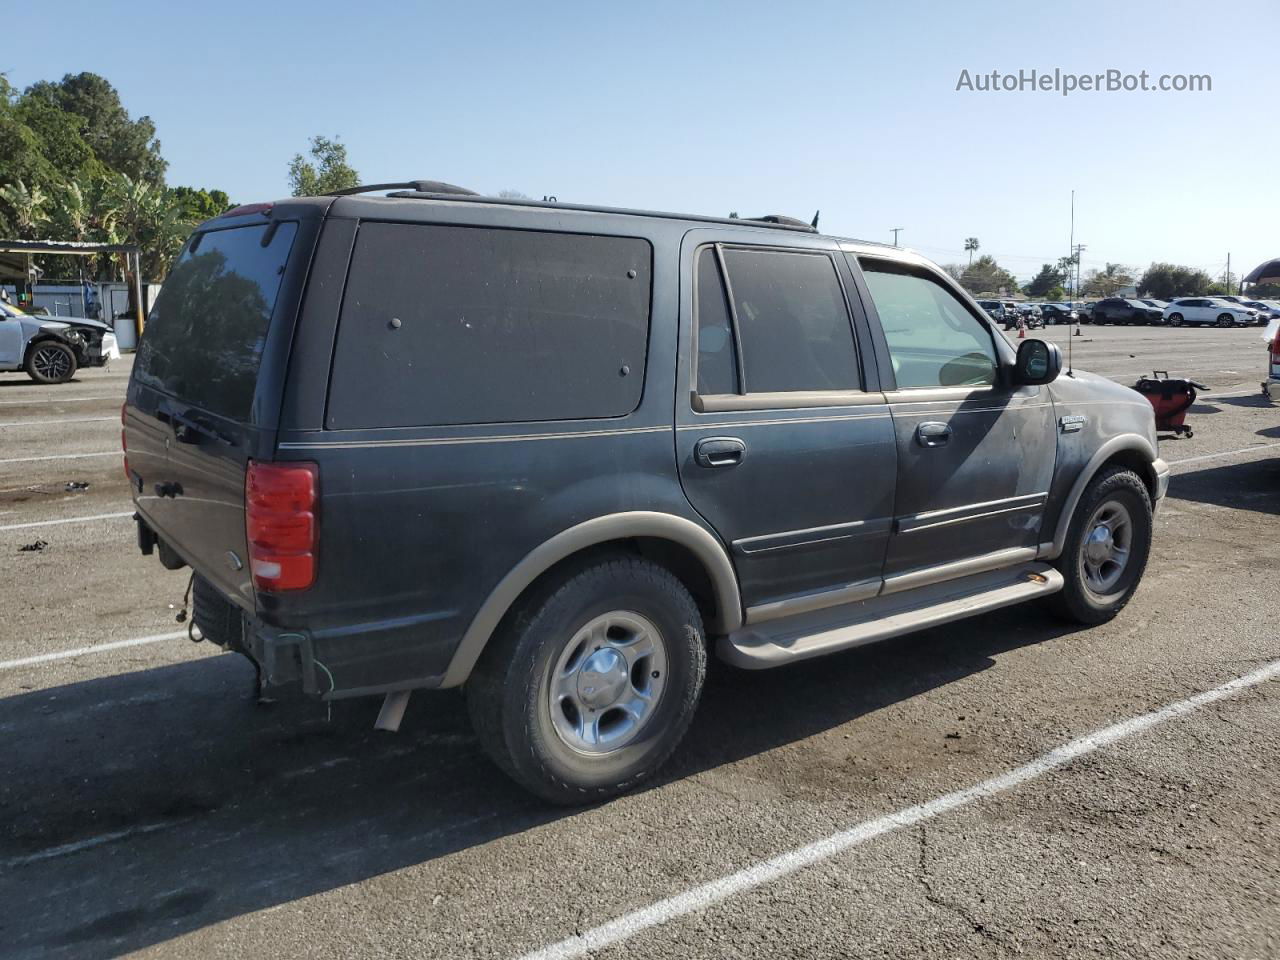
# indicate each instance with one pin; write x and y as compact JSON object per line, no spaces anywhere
{"x":330,"y":663}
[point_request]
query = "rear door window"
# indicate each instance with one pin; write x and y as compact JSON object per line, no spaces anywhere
{"x":453,"y":325}
{"x":204,"y":336}
{"x":792,"y":321}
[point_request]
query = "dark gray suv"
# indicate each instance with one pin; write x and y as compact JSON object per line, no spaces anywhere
{"x":555,"y":455}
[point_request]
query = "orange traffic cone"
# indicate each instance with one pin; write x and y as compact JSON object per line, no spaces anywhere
{"x":1022,"y":332}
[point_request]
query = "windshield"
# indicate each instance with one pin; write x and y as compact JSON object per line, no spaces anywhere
{"x":204,"y":338}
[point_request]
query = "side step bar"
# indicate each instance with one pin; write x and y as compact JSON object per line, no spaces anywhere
{"x":778,"y":642}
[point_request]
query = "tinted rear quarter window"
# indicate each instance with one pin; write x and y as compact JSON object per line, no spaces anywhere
{"x":452,"y":325}
{"x":204,"y":336}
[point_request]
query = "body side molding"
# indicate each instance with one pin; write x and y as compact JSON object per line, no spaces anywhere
{"x":616,"y":526}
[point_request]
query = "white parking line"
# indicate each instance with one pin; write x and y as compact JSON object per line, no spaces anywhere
{"x":1234,"y":393}
{"x":23,"y":403}
{"x":96,"y":648}
{"x":54,"y":523}
{"x":45,"y":423}
{"x":767,"y":871}
{"x":64,"y":456}
{"x":1224,"y":453}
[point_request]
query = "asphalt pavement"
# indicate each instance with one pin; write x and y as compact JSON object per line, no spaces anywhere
{"x":1002,"y":786}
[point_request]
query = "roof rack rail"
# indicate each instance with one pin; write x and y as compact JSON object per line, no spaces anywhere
{"x":418,"y":186}
{"x":415,"y":191}
{"x":783,"y":221}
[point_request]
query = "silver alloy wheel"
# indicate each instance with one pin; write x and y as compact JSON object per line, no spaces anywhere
{"x":1104,"y":552}
{"x":607,"y":682}
{"x":51,"y":362}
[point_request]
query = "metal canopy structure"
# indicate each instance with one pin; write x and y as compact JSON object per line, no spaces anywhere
{"x":1268,"y":272}
{"x":83,"y":248}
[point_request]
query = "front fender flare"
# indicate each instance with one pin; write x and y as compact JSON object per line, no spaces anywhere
{"x":1120,"y":444}
{"x":616,"y":526}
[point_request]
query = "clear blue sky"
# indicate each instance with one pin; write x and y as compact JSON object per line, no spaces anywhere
{"x":766,"y":107}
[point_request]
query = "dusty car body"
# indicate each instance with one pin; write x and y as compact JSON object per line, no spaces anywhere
{"x":51,"y":349}
{"x":557,"y":455}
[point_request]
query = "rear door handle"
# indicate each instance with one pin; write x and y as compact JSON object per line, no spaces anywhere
{"x":933,"y":434}
{"x":719,"y":452}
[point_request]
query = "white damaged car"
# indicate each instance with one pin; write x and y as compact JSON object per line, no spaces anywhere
{"x":52,"y":349}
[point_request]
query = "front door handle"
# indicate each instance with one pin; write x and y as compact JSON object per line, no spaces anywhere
{"x":933,"y":434}
{"x":719,"y":452}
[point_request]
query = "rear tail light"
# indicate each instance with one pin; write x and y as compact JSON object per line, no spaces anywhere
{"x":1275,"y":345}
{"x":281,"y":501}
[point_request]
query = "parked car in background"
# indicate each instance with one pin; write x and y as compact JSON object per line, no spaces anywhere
{"x":1084,"y":312}
{"x":1032,"y":314}
{"x":49,"y":349}
{"x":1054,"y":313}
{"x":1208,"y":311}
{"x":1267,"y":309}
{"x":994,"y":309}
{"x":1118,"y":310}
{"x":1240,"y":302}
{"x":1157,"y":304}
{"x":617,"y":468}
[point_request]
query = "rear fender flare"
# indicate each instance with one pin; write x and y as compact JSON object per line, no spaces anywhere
{"x":618,"y":526}
{"x":1120,"y":444}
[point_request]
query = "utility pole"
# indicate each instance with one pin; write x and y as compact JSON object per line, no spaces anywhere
{"x":1227,"y":282}
{"x":896,"y":231}
{"x":1078,"y":249}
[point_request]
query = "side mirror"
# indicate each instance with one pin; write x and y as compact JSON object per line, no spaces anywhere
{"x":1038,"y":362}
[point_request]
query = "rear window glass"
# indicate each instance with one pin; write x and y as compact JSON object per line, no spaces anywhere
{"x":204,"y":336}
{"x":446,"y":325}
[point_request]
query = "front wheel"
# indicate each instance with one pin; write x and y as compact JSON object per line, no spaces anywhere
{"x":1226,"y":320}
{"x":590,"y":685}
{"x":1106,"y":549}
{"x":51,"y":362}
{"x":1175,"y":319}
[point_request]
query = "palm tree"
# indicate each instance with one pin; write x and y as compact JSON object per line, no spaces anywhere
{"x":971,"y":246}
{"x":27,"y":205}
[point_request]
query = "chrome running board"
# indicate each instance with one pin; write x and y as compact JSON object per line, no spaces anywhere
{"x":777,"y":642}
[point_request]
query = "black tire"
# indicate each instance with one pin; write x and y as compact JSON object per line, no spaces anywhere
{"x":1078,"y":601}
{"x":1175,"y":319}
{"x":51,"y":362}
{"x":1226,"y":320}
{"x":509,"y":692}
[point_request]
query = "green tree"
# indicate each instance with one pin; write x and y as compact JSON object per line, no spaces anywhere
{"x":1105,"y":282}
{"x":198,"y":204}
{"x":1165,"y":281}
{"x":328,"y":169}
{"x":1049,"y":278}
{"x":119,"y":142}
{"x":984,"y":275}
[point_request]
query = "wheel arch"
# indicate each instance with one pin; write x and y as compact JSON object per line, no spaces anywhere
{"x":691,"y":552}
{"x":1132,"y":451}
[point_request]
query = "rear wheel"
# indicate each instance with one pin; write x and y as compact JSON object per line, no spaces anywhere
{"x":590,"y":685}
{"x":1107,"y":546}
{"x":51,"y":362}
